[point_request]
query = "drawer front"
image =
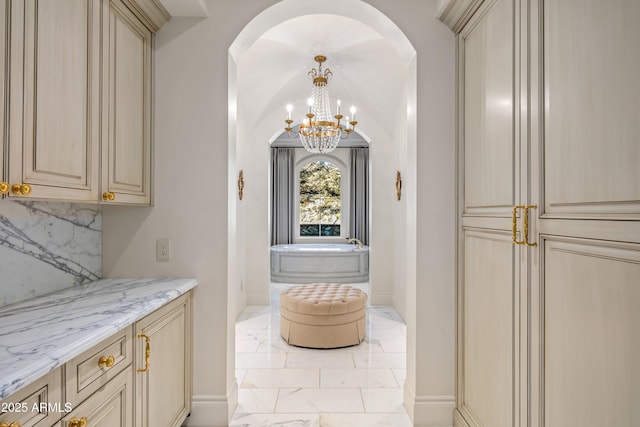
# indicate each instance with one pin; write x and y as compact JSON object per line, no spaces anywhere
{"x":111,"y":406}
{"x":40,"y":403}
{"x":92,"y":369}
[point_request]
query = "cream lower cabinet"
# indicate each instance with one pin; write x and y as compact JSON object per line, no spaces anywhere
{"x":110,"y":406}
{"x":163,"y":362}
{"x":549,"y":213}
{"x":140,"y":376}
{"x":38,"y":404}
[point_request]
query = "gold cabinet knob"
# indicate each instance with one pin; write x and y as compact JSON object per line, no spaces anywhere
{"x":21,"y":189}
{"x":75,"y":422}
{"x":106,"y":362}
{"x":107,"y":195}
{"x":4,"y":189}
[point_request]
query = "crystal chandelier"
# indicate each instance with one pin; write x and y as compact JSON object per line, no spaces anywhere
{"x":320,"y":132}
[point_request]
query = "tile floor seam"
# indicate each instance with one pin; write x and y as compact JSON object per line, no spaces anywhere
{"x":364,"y":406}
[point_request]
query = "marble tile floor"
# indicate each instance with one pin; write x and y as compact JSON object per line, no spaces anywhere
{"x":287,"y":386}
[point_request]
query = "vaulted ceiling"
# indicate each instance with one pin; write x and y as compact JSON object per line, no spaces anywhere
{"x":367,"y":72}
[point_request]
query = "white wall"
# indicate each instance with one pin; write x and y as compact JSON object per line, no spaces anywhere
{"x":194,"y":183}
{"x":402,"y":229}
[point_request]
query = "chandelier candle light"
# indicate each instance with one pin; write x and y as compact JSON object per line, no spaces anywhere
{"x":319,"y":132}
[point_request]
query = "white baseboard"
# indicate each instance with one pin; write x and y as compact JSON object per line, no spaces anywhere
{"x":213,"y":410}
{"x":429,"y":411}
{"x":381,"y":298}
{"x":258,"y":298}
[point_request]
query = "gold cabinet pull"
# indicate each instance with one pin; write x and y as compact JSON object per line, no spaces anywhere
{"x":147,"y":353}
{"x":526,"y":225}
{"x":21,"y":189}
{"x":514,"y":225}
{"x":107,"y":195}
{"x":75,"y":422}
{"x":4,"y":189}
{"x":13,"y":424}
{"x":106,"y":362}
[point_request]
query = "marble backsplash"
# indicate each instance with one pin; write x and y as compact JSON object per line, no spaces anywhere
{"x":46,"y":247}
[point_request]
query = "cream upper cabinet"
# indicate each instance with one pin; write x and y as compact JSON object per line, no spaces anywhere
{"x":163,"y":362}
{"x":55,"y":99}
{"x":76,"y":99}
{"x":4,"y":37}
{"x":126,"y":150}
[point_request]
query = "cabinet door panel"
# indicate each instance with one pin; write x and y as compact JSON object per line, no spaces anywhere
{"x":164,"y":391}
{"x":111,"y":406}
{"x":489,"y":156}
{"x":591,"y":296}
{"x":57,"y":150}
{"x":127,"y":163}
{"x":488,"y":312}
{"x":592,"y":108}
{"x":37,"y":404}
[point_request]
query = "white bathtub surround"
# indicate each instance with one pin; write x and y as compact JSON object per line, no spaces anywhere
{"x":352,"y":386}
{"x":46,"y":247}
{"x":38,"y":335}
{"x":319,"y":262}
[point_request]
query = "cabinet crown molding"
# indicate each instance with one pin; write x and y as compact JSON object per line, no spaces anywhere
{"x":456,"y":13}
{"x":151,"y":12}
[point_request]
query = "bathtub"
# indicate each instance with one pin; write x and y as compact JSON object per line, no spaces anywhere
{"x":319,"y":262}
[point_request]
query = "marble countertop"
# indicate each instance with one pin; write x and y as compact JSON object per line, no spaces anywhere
{"x":38,"y":335}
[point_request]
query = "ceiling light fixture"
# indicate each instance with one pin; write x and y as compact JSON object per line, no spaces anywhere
{"x":319,"y":132}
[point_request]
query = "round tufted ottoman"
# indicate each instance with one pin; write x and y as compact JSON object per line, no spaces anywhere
{"x":322,"y":315}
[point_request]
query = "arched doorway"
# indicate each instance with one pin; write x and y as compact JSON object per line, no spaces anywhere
{"x":257,"y":111}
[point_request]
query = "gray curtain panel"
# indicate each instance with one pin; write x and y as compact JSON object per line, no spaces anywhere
{"x":282,"y":184}
{"x":359,"y":195}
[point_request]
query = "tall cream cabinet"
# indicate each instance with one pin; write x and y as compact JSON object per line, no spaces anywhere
{"x":76,"y":98}
{"x":548,"y":294}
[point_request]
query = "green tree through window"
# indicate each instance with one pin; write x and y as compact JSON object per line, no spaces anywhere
{"x":320,"y":199}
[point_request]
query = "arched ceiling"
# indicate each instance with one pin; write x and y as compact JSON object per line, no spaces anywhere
{"x":367,"y":72}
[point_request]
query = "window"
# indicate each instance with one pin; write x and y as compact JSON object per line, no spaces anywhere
{"x":320,"y":200}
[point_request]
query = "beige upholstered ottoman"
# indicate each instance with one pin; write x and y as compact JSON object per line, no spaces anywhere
{"x":323,"y":315}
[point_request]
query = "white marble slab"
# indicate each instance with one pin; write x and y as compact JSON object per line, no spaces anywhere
{"x":46,"y":247}
{"x":38,"y":335}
